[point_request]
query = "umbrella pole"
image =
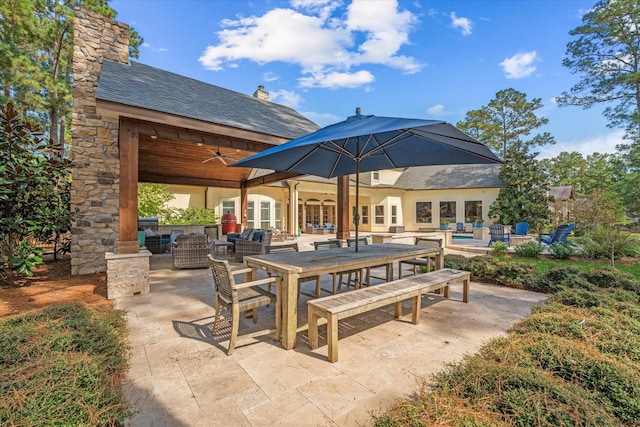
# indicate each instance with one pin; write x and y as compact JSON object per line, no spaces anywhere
{"x":356,"y":217}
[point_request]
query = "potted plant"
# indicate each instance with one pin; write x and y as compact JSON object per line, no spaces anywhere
{"x":444,"y":225}
{"x":479,"y":223}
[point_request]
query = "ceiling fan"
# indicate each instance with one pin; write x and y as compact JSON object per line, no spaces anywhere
{"x":217,"y":155}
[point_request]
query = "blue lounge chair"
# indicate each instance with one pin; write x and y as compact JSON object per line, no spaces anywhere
{"x":559,"y":235}
{"x":522,"y":228}
{"x":460,"y":227}
{"x":497,"y":234}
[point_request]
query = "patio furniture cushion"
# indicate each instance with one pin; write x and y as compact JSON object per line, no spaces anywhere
{"x":257,"y":236}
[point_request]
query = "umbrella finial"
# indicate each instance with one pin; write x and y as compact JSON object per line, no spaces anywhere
{"x":358,"y":111}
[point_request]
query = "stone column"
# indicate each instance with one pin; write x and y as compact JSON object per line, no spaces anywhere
{"x":95,"y":191}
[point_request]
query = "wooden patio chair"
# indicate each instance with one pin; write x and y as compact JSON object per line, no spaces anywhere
{"x":419,"y":262}
{"x":497,"y":234}
{"x":240,"y":297}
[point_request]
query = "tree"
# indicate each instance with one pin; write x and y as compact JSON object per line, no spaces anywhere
{"x":153,"y":199}
{"x":566,"y":169}
{"x":36,"y":48}
{"x":34,"y":194}
{"x":525,"y":196}
{"x":505,"y":120}
{"x":606,"y":53}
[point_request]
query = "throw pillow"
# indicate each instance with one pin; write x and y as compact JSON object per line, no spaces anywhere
{"x":257,"y":236}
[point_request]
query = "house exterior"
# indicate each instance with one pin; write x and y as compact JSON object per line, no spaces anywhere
{"x":415,"y":198}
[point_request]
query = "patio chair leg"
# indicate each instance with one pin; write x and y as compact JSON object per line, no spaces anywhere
{"x":255,"y":315}
{"x":235,"y":325}
{"x":216,"y":321}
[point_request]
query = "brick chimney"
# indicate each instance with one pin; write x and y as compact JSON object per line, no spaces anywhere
{"x":261,"y":93}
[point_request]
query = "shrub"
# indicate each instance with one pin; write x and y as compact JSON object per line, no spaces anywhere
{"x":457,"y":262}
{"x":499,"y":248}
{"x":516,"y":273}
{"x":611,"y":278}
{"x":561,"y":251}
{"x":530,"y":250}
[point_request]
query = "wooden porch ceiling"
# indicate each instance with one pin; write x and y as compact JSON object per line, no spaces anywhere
{"x":173,"y":155}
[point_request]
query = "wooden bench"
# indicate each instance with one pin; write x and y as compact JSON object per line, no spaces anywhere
{"x":347,"y":304}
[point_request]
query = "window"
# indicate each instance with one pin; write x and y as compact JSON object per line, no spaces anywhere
{"x":265,"y":215}
{"x":423,"y":213}
{"x":394,"y":215}
{"x":228,"y":206}
{"x":251,"y":223}
{"x":447,"y":211}
{"x":364,"y":217}
{"x":379,"y":214}
{"x":376,"y":176}
{"x":278,"y":213}
{"x":472,"y":210}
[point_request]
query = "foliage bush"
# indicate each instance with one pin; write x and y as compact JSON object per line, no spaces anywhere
{"x":561,"y":250}
{"x":573,"y":361}
{"x":192,"y":215}
{"x":499,"y":248}
{"x":34,"y":194}
{"x":530,"y":250}
{"x":62,"y":366}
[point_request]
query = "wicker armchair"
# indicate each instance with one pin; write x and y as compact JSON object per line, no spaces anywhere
{"x":190,"y":251}
{"x":154,"y":244}
{"x":255,"y":246}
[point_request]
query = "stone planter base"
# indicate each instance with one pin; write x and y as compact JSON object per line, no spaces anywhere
{"x":127,"y":274}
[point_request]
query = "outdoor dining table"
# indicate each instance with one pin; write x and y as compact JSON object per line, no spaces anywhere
{"x":291,"y":266}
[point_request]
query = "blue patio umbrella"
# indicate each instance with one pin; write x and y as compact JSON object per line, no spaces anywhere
{"x":365,"y":143}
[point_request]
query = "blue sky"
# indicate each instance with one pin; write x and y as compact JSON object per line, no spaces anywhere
{"x":420,"y":59}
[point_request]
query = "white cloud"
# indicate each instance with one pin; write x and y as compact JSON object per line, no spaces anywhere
{"x":602,"y":144}
{"x":326,"y":44}
{"x":436,"y":110}
{"x":334,"y":80}
{"x":285,"y":97}
{"x":322,"y":119}
{"x":154,"y":49}
{"x":270,"y":77}
{"x":520,"y":65}
{"x":463,"y":23}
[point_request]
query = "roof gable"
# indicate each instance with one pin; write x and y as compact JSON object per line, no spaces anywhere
{"x":151,"y":88}
{"x":450,"y":177}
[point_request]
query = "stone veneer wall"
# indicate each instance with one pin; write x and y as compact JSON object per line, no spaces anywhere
{"x":95,"y":193}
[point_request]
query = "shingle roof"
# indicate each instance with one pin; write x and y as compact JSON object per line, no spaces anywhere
{"x":564,"y":192}
{"x":155,"y":89}
{"x":449,"y":177}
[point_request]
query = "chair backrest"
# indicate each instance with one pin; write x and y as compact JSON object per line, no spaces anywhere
{"x":190,"y":241}
{"x":223,"y":279}
{"x":329,"y":244}
{"x":289,"y":247}
{"x":361,"y":241}
{"x":522,"y":228}
{"x":496,"y":232}
{"x":431,"y":243}
{"x":459,"y":226}
{"x":562,"y":232}
{"x":246,"y":234}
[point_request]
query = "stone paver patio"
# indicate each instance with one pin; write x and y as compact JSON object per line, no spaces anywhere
{"x":181,"y":376}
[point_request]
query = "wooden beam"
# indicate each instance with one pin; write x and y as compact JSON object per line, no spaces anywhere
{"x":173,"y":133}
{"x":110,"y":108}
{"x":128,"y":147}
{"x":272,"y":177}
{"x":186,"y":180}
{"x":244,"y":205}
{"x":343,"y":208}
